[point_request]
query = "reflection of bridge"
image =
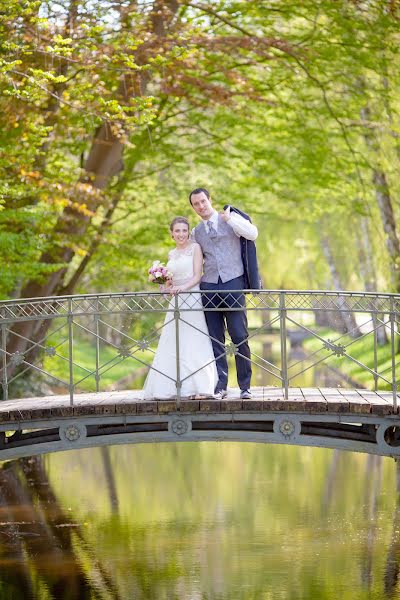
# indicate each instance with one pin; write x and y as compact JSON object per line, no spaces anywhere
{"x":42,"y":336}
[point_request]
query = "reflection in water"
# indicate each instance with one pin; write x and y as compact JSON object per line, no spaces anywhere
{"x":199,"y":520}
{"x":393,"y":558}
{"x":373,"y":477}
{"x":109,"y":478}
{"x":40,"y":542}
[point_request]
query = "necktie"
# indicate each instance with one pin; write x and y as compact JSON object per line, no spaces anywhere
{"x":211,"y":230}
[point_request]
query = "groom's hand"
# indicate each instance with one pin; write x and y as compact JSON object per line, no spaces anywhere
{"x":226,"y":214}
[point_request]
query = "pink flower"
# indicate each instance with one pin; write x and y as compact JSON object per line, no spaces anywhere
{"x":158,"y":273}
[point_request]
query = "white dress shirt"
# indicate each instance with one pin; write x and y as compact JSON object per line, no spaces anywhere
{"x":241,"y":226}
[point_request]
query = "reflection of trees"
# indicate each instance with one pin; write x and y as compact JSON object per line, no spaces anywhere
{"x":44,"y":554}
{"x":373,"y":479}
{"x":47,"y":549}
{"x":190,"y":521}
{"x":329,"y":486}
{"x":110,"y":479}
{"x":16,"y":583}
{"x":393,"y":558}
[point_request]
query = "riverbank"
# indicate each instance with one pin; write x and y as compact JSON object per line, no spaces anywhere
{"x":358,"y":357}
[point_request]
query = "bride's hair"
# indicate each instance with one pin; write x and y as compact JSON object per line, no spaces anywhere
{"x":178,"y":220}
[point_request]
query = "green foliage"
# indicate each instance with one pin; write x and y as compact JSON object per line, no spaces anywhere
{"x":263,"y":104}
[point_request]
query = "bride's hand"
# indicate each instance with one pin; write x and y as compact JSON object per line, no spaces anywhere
{"x":165,"y":287}
{"x":175,"y":289}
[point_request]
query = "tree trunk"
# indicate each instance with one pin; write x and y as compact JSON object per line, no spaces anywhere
{"x":345,"y":321}
{"x":384,"y":201}
{"x":368,"y":273}
{"x":389,"y":225}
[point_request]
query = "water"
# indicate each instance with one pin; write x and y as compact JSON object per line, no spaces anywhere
{"x":200,"y":521}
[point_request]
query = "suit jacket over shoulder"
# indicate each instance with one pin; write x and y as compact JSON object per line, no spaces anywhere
{"x":249,"y":256}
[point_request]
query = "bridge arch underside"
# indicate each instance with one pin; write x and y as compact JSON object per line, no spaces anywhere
{"x":371,"y":434}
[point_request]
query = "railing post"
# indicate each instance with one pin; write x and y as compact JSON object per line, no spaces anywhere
{"x":178,"y":366}
{"x":284,"y":365}
{"x":4,"y":359}
{"x":375,"y":325}
{"x":393,"y":347}
{"x":96,"y":323}
{"x":70,"y":352}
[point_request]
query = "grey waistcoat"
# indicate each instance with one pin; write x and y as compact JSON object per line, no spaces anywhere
{"x":222,"y":252}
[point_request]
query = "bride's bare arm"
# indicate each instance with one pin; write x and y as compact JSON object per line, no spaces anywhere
{"x":197,"y":272}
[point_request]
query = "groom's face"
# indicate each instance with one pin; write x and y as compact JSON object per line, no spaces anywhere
{"x":202,"y":205}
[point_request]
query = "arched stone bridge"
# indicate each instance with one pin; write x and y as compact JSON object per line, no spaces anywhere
{"x":42,"y":336}
{"x":355,"y":420}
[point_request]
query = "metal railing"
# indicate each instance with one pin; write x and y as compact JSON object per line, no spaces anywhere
{"x":44,"y":335}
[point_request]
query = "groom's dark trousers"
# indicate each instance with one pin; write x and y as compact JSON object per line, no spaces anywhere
{"x":236,"y":324}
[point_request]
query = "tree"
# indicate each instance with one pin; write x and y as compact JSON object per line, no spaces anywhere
{"x":184,"y":65}
{"x":108,"y":112}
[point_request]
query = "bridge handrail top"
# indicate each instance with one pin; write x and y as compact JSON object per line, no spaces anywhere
{"x":92,"y":296}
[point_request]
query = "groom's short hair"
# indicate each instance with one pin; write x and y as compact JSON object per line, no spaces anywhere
{"x":198,"y":191}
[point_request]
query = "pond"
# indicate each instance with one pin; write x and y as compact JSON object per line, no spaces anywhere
{"x":203,"y":520}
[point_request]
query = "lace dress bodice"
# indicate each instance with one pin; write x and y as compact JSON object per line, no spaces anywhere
{"x":180,"y":264}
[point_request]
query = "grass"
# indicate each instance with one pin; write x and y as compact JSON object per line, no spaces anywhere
{"x":84,"y":357}
{"x":362,"y":350}
{"x":84,"y":354}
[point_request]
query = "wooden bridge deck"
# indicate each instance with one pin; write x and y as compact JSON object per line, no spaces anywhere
{"x":265,"y":399}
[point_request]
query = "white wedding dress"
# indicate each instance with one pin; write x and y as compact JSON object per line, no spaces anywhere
{"x":198,"y":373}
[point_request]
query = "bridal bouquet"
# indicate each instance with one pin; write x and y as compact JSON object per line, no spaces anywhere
{"x":158,"y":273}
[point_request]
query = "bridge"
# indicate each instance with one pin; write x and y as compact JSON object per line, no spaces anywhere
{"x":43,"y":336}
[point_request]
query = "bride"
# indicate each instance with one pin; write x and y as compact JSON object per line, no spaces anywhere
{"x":198,"y":372}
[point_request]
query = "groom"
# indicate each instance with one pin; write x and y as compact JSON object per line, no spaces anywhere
{"x":230,"y":263}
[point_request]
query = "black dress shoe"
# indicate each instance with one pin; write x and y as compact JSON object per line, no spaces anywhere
{"x":220,"y":394}
{"x":245,"y":394}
